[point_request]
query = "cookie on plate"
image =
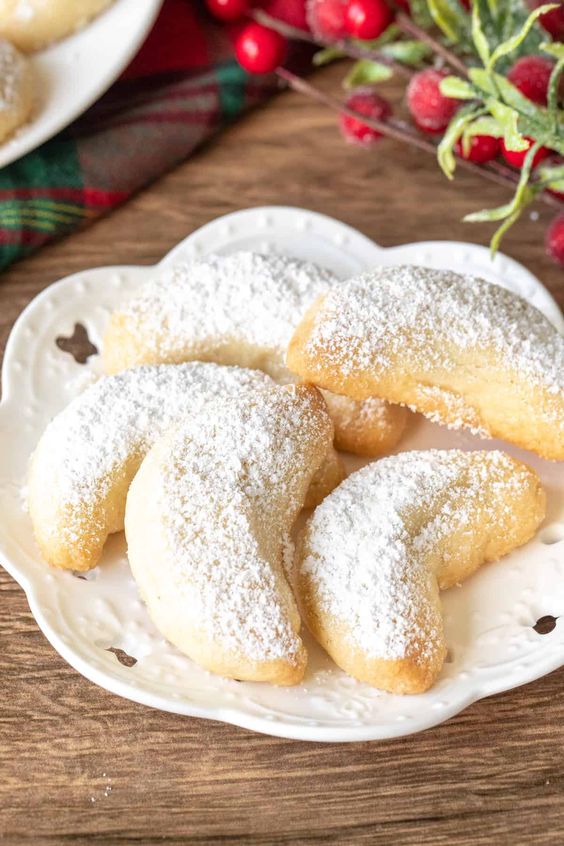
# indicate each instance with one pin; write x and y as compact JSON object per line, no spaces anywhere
{"x":377,"y":550}
{"x":463,"y":351}
{"x":34,"y":24}
{"x":16,"y":89}
{"x":208,"y":524}
{"x":239,"y":309}
{"x":84,"y":463}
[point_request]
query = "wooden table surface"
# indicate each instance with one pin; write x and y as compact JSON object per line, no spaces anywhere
{"x":493,"y":774}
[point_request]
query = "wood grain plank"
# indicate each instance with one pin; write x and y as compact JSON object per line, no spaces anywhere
{"x":494,"y":774}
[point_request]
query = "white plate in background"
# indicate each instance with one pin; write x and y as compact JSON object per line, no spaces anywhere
{"x":73,"y":73}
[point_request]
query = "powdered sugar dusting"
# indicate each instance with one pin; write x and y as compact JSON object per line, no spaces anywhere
{"x":459,"y":413}
{"x":369,"y":543}
{"x":24,"y":10}
{"x":216,"y":302}
{"x":420,"y":315}
{"x":11,"y":70}
{"x":360,"y":414}
{"x":106,"y":431}
{"x":228,"y":494}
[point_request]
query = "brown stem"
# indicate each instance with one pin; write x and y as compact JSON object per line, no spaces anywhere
{"x":388,"y":128}
{"x":282,"y":27}
{"x":354,"y":51}
{"x":357,"y":51}
{"x":494,"y":172}
{"x":408,"y":27}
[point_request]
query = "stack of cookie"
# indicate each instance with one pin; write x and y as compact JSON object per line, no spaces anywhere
{"x":234,"y":379}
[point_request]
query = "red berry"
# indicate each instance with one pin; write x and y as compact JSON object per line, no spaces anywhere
{"x":531,"y":75}
{"x":466,"y":3}
{"x":368,"y":18}
{"x":555,"y":239}
{"x":517,"y":157}
{"x":483,"y":148}
{"x":292,"y":12}
{"x":259,"y":49}
{"x":228,"y":10}
{"x":430,"y":109}
{"x":366,"y":102}
{"x":552,"y":21}
{"x":327,"y":19}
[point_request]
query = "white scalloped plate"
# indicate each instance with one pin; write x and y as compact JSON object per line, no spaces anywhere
{"x":489,"y":620}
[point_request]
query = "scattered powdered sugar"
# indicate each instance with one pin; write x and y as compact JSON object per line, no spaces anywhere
{"x":11,"y":69}
{"x":229,"y":493}
{"x":113,"y":423}
{"x":367,"y":542}
{"x":420,"y":314}
{"x":218,"y":301}
{"x":25,"y":10}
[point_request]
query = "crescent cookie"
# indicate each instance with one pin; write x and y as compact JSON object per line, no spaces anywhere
{"x":16,"y":89}
{"x":33,"y":24}
{"x":461,"y":350}
{"x":208,"y":524}
{"x":84,"y":463}
{"x":376,"y":552}
{"x":240,"y":309}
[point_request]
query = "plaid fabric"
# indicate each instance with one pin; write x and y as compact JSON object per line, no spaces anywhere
{"x":182,"y":86}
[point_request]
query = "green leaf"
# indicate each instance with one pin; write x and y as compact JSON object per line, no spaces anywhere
{"x":509,"y":11}
{"x":507,"y":119}
{"x":510,"y":212}
{"x":484,"y":126}
{"x":551,"y":176}
{"x":553,"y":90}
{"x":454,"y":130}
{"x":513,"y":97}
{"x":390,"y":34}
{"x":522,"y":197}
{"x":512,"y":43}
{"x":459,"y":89}
{"x":445,"y":18}
{"x":420,"y":13}
{"x":555,"y":49}
{"x":501,"y":230}
{"x":408,"y":52}
{"x":366,"y":72}
{"x":521,"y":193}
{"x":512,"y":15}
{"x":552,"y":140}
{"x":478,"y":36}
{"x":551,"y":172}
{"x":327,"y":55}
{"x":483,"y":80}
{"x":518,"y":115}
{"x":499,"y":213}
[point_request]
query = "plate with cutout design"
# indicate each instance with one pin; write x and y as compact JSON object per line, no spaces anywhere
{"x":502,"y":625}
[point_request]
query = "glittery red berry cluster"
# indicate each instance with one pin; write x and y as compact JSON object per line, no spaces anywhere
{"x":261,"y":46}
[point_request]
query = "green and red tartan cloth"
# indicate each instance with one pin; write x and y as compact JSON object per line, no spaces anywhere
{"x":181,"y":87}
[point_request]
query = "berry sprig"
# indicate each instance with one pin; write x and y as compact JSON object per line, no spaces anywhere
{"x":483,"y":86}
